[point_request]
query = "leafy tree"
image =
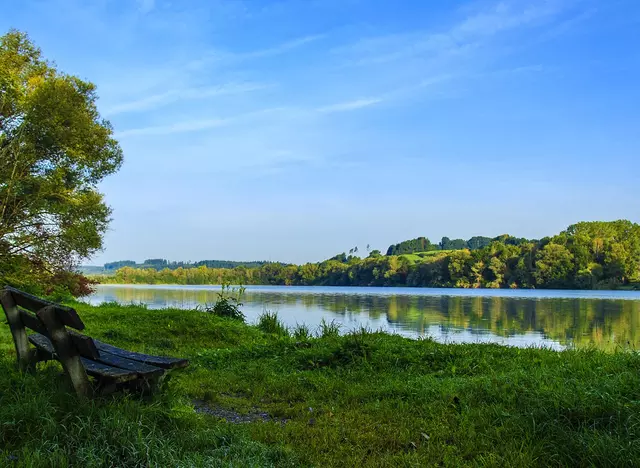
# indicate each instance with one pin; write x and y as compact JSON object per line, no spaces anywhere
{"x":421,"y":244}
{"x":340,"y":258}
{"x":119,"y":264}
{"x":455,"y":244}
{"x":459,"y":266}
{"x":54,"y":150}
{"x":478,"y":242}
{"x":554,"y":266}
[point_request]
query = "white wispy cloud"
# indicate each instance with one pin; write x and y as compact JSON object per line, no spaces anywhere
{"x":179,"y":127}
{"x":440,"y":63}
{"x":506,"y":16}
{"x":349,"y":105}
{"x":466,"y":35}
{"x":193,"y":125}
{"x":231,"y":57}
{"x":281,"y":48}
{"x":176,"y":95}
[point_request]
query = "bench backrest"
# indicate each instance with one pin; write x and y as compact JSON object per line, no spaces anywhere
{"x":29,"y":302}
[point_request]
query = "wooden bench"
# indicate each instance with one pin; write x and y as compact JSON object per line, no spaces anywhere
{"x":55,"y":337}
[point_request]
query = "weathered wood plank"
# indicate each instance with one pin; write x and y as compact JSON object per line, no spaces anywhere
{"x":144,"y":370}
{"x":43,"y":344}
{"x":11,"y":310}
{"x":93,"y":368}
{"x":157,"y":361}
{"x":66,"y":315}
{"x":104,"y":371}
{"x":66,"y":351}
{"x":32,"y":322}
{"x":85,"y":345}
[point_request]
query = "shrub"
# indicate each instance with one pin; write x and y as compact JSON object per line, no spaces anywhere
{"x":228,"y":303}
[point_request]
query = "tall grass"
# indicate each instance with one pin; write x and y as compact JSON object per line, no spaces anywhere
{"x":329,"y":329}
{"x":302,"y":332}
{"x":269,"y":322}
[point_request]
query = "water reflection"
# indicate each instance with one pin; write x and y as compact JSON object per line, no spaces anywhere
{"x":548,"y":321}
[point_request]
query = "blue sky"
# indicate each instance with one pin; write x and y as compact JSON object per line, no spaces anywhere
{"x":294,"y":130}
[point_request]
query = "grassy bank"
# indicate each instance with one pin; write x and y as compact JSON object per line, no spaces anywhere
{"x":365,"y":399}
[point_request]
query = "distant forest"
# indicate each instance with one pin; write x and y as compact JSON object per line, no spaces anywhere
{"x":422,"y":244}
{"x":161,"y":264}
{"x":589,"y":255}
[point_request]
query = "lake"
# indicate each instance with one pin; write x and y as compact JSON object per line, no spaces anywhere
{"x":556,"y":319}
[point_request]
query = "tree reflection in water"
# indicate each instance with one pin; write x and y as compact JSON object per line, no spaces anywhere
{"x":604,"y":323}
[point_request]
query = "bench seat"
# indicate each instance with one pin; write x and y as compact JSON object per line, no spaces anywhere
{"x":112,"y":363}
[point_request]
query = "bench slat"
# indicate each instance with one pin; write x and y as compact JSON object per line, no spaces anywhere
{"x":67,"y":315}
{"x":84,"y":344}
{"x":102,"y":371}
{"x":32,"y":322}
{"x":157,"y":361}
{"x":144,"y":370}
{"x":93,"y":368}
{"x":43,"y":344}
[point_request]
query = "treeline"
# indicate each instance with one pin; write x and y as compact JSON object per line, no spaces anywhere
{"x":423,"y":244}
{"x":587,"y":255}
{"x":161,"y":264}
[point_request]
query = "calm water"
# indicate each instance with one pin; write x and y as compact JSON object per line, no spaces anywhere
{"x":556,"y":319}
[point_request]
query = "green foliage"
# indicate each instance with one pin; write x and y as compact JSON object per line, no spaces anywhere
{"x":54,"y":150}
{"x":375,"y":254}
{"x":329,"y":329}
{"x":120,"y":264}
{"x":269,"y":322}
{"x":161,"y":264}
{"x":362,"y":399}
{"x":455,"y":244}
{"x":229,"y":303}
{"x":302,"y":332}
{"x":421,"y":244}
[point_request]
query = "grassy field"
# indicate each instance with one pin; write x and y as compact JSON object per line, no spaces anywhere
{"x":267,"y":397}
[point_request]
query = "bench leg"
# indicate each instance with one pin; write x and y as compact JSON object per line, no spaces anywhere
{"x":24,"y":354}
{"x":66,"y":352}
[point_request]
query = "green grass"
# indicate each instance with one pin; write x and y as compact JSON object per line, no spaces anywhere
{"x":364,"y":399}
{"x":269,"y":323}
{"x":432,"y":253}
{"x":419,"y":257}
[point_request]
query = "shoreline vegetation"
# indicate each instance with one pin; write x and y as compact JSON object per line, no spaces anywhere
{"x":265,"y":395}
{"x":588,"y":255}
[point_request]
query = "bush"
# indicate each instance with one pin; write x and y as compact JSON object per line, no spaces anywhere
{"x":228,"y":303}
